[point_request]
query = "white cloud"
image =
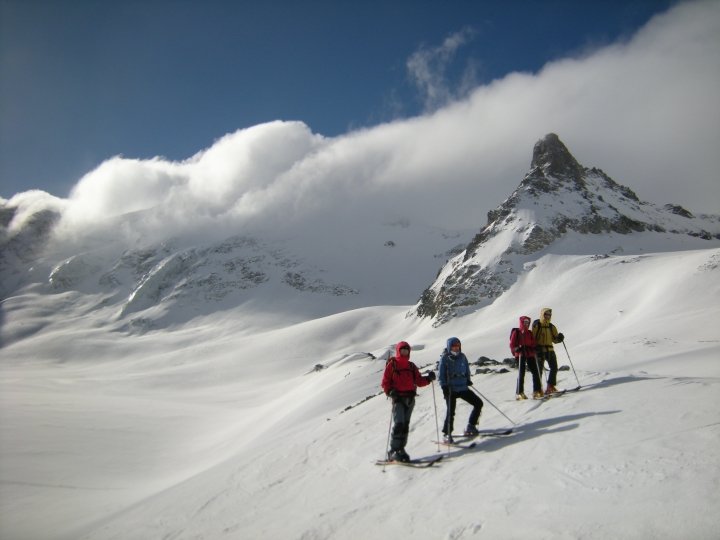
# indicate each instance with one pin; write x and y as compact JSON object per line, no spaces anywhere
{"x":427,"y":69}
{"x":249,"y":160}
{"x":121,"y":186}
{"x":644,"y":110}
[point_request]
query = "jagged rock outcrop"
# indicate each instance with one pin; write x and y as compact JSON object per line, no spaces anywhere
{"x":558,"y":196}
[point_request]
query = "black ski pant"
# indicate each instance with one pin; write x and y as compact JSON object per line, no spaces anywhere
{"x":548,"y":355}
{"x":451,"y":397}
{"x":530,"y":363}
{"x":401,"y":413}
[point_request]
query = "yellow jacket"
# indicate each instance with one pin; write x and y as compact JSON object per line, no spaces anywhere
{"x":545,"y":332}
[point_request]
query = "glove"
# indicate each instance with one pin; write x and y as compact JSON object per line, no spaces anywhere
{"x":560,"y":337}
{"x":469,"y":382}
{"x":391,"y":394}
{"x":517,"y":349}
{"x":431,"y":375}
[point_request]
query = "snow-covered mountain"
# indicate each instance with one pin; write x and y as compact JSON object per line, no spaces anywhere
{"x":148,"y":286}
{"x":559,"y":207}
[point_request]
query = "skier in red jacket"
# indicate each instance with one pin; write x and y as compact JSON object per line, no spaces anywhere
{"x":400,"y":381}
{"x":522,"y":345}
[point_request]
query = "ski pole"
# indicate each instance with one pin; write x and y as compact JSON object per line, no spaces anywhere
{"x":538,"y":372}
{"x":450,"y":414}
{"x":540,"y":360}
{"x":571,"y":364}
{"x":491,"y":403}
{"x":520,"y":359}
{"x":387,"y":444}
{"x":437,"y":426}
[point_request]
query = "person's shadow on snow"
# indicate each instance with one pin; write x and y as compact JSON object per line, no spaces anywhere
{"x":526,"y":432}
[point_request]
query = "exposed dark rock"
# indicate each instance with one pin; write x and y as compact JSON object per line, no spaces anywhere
{"x":679,"y":210}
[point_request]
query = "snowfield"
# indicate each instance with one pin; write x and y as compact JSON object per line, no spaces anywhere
{"x":215,"y":429}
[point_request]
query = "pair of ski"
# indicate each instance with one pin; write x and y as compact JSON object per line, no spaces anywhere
{"x":553,"y":395}
{"x":460,"y":441}
{"x":417,"y":463}
{"x":560,"y":393}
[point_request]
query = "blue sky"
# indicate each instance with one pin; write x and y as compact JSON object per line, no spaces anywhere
{"x":84,"y":80}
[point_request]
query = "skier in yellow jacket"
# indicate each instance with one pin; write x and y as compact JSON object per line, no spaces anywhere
{"x":546,"y":334}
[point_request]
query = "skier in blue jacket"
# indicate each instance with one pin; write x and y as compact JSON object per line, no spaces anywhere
{"x":454,"y":378}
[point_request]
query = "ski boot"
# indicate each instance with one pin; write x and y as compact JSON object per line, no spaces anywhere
{"x":471,"y":431}
{"x":550,"y":390}
{"x":448,"y":438}
{"x":538,"y":395}
{"x":521,"y":396}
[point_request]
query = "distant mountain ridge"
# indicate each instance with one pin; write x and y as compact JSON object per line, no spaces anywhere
{"x":558,"y":197}
{"x":165,"y":275}
{"x":155,"y":284}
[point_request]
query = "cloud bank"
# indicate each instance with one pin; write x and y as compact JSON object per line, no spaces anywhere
{"x":645,"y":111}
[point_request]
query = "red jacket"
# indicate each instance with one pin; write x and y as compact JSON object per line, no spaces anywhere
{"x":401,"y":375}
{"x":523,"y":337}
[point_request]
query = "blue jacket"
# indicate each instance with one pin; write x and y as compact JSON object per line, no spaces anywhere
{"x":454,"y":371}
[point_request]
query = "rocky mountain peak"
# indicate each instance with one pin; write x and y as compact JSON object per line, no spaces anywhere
{"x":557,"y":199}
{"x":551,"y":158}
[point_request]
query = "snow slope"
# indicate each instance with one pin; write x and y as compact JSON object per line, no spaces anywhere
{"x":228,"y":427}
